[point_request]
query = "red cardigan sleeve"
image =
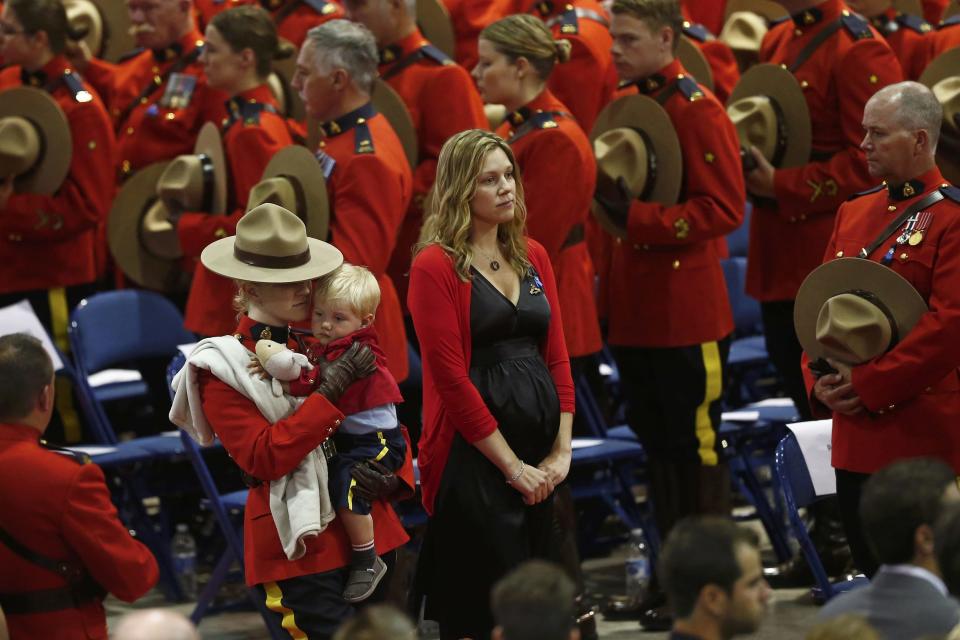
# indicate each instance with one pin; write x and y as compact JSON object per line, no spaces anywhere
{"x":434,"y":299}
{"x":265,"y":451}
{"x":555,"y":347}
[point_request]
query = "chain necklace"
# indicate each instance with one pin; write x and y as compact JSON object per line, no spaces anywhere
{"x":494,"y":263}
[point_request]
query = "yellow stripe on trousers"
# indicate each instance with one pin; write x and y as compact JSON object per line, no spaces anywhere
{"x":275,"y":604}
{"x":59,"y":317}
{"x":384,"y":451}
{"x":706,"y":435}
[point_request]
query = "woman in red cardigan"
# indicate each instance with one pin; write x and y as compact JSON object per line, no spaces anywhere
{"x":498,"y":397}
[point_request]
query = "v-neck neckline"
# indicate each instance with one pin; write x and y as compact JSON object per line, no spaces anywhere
{"x":515,"y":305}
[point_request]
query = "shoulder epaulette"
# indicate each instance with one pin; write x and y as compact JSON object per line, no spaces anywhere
{"x":435,"y":54}
{"x":689,"y":88}
{"x":322,"y":7}
{"x":79,"y":457}
{"x":544,"y":120}
{"x":129,"y":55}
{"x":74,"y":84}
{"x":951,"y":192}
{"x":362,"y":138}
{"x":569,"y":22}
{"x":914,"y":23}
{"x":697,"y":32}
{"x":950,"y":22}
{"x":856,"y":26}
{"x":856,"y":195}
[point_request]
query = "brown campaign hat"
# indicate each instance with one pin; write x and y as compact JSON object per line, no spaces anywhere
{"x":142,"y":239}
{"x":636,"y":145}
{"x":693,"y":60}
{"x":271,"y":246}
{"x":853,"y":310}
{"x":35,"y":140}
{"x":436,"y":26}
{"x":390,"y":104}
{"x":942,"y":76}
{"x":279,"y":81}
{"x":743,"y":32}
{"x":768,"y":9}
{"x":116,"y":40}
{"x":293,"y":179}
{"x":84,"y":15}
{"x":769,"y":111}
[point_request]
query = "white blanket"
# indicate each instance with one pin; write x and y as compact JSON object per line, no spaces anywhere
{"x":300,"y":501}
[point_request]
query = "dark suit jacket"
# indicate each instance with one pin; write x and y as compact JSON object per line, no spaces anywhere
{"x":898,"y":606}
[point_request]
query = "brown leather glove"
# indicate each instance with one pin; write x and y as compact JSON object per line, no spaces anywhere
{"x":374,"y":481}
{"x":356,"y":362}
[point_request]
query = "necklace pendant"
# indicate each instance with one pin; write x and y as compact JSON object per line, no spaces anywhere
{"x":495,"y":265}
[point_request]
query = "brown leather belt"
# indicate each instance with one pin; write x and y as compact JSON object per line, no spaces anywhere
{"x":48,"y":600}
{"x":576,"y":236}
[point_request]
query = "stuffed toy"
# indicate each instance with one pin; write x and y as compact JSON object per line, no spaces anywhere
{"x":281,"y":363}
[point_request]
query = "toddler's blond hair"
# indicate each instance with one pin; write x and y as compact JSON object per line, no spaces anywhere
{"x":353,"y":285}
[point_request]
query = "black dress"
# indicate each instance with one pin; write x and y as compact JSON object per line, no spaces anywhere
{"x":481,"y":528}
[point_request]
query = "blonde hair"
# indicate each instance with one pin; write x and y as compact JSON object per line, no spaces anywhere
{"x":448,"y":217}
{"x":241,"y":301}
{"x":524,"y":36}
{"x":846,"y":627}
{"x":356,"y":286}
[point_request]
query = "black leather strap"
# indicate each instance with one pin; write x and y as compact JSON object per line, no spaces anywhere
{"x":576,"y":236}
{"x":177,"y":67}
{"x":48,"y":600}
{"x":814,"y":44}
{"x":891,"y":228}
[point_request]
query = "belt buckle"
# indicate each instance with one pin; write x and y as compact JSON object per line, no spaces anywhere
{"x":329,"y":448}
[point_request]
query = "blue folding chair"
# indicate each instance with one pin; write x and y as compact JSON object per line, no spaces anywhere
{"x":116,"y":327}
{"x":738,"y":240}
{"x":798,"y":493}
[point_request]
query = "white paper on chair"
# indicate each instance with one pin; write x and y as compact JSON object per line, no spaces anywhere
{"x":21,"y":318}
{"x":814,"y":440}
{"x":740,"y":416}
{"x":113,"y":376}
{"x":774,"y":402}
{"x":583,"y":443}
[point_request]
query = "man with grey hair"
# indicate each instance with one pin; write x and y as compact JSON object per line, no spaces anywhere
{"x":906,"y":402}
{"x":155,"y":624}
{"x":440,"y":96}
{"x":369,"y":182}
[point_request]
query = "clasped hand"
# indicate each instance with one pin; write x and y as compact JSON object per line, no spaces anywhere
{"x":835,"y":390}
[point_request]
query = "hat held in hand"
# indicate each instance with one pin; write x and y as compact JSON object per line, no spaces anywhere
{"x":854,"y":310}
{"x":32,"y":126}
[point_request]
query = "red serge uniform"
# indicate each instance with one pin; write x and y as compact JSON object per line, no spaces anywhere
{"x":911,"y":393}
{"x":586,"y":82}
{"x":270,"y":451}
{"x":933,"y":10}
{"x":442,"y":101}
{"x":719,"y":56}
{"x":52,"y":241}
{"x":440,"y":305}
{"x":787,"y":237}
{"x":709,"y":13}
{"x":292,"y":17}
{"x":156,"y":122}
{"x":549,"y":143}
{"x":946,"y":37}
{"x":59,"y":508}
{"x":666,"y":286}
{"x":907,"y":36}
{"x":370,"y":185}
{"x":469,"y":17}
{"x":251,"y":135}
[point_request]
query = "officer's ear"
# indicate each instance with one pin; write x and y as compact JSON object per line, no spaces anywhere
{"x":923,"y":140}
{"x":46,"y":398}
{"x":523,"y":66}
{"x":40,"y":39}
{"x":248,"y":58}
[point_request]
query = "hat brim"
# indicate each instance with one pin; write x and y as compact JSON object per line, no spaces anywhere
{"x":940,"y":68}
{"x":218,"y":257}
{"x":436,"y":26}
{"x":210,"y":144}
{"x":300,"y":167}
{"x":56,"y":141}
{"x":390,"y":104}
{"x":769,"y":10}
{"x":124,"y":229}
{"x":693,"y":60}
{"x":778,"y":84}
{"x":644,"y":114}
{"x":843,"y":275}
{"x":117,"y":40}
{"x":294,"y":105}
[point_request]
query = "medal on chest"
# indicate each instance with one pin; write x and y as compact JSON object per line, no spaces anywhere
{"x":179,"y":91}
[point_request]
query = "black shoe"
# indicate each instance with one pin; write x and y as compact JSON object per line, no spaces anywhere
{"x":620,"y":608}
{"x":657,"y":619}
{"x":794,"y":573}
{"x":586,"y":620}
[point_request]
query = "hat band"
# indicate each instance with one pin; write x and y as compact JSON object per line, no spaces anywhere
{"x":870,"y":297}
{"x":271,"y":262}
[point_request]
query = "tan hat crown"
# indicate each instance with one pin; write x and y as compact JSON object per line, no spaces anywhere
{"x":744,"y":31}
{"x":853,"y":329}
{"x":755,"y":119}
{"x":947,"y":92}
{"x":186,"y":183}
{"x":19,"y":146}
{"x":622,"y":153}
{"x":277,"y":190}
{"x":271,"y":232}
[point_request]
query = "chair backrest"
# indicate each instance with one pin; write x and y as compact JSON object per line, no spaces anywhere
{"x":92,"y":411}
{"x":207,"y":483}
{"x":117,"y":326}
{"x":746,"y":310}
{"x":793,"y":473}
{"x":738,"y":240}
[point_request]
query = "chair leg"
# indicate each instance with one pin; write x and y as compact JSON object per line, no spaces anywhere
{"x":206,"y":597}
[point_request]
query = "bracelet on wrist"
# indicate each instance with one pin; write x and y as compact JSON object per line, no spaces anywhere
{"x":519,"y":473}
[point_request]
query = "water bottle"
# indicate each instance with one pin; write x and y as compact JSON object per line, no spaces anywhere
{"x":184,"y":549}
{"x":637,"y":567}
